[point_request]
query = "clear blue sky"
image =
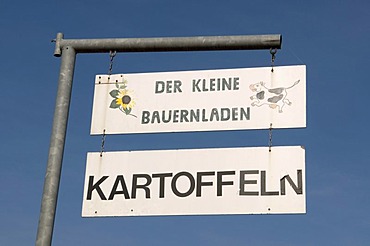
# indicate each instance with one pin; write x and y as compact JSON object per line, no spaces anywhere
{"x":330,"y":37}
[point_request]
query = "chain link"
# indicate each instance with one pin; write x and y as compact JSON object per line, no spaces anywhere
{"x":102,"y":143}
{"x":273,"y":56}
{"x":270,"y":137}
{"x":112,"y":54}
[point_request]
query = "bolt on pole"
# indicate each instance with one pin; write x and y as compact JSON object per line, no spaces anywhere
{"x":68,"y":48}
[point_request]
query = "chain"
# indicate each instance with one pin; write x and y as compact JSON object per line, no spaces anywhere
{"x":102,"y":143}
{"x":270,"y":137}
{"x":273,"y":56}
{"x":112,"y":54}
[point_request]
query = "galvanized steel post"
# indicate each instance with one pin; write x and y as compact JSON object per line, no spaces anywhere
{"x":56,"y":149}
{"x":68,"y":48}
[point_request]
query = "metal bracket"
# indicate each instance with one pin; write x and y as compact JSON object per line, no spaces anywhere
{"x":58,"y":50}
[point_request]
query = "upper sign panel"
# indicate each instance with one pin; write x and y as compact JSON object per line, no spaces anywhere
{"x":208,"y":100}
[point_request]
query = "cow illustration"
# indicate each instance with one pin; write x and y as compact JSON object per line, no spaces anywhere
{"x":275,"y":97}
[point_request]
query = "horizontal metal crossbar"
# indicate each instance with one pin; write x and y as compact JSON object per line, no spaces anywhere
{"x":206,"y":43}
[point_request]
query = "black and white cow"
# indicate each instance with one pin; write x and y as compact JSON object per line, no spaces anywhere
{"x":275,"y":97}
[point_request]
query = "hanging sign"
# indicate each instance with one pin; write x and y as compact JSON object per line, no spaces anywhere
{"x":228,"y":99}
{"x":195,"y":182}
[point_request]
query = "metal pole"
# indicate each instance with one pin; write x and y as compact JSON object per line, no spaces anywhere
{"x":247,"y":42}
{"x":52,"y":178}
{"x":68,"y":48}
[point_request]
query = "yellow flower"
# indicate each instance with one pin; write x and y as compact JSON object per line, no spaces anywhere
{"x":125,"y":100}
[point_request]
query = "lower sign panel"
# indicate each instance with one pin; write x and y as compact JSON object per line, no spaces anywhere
{"x":195,"y":182}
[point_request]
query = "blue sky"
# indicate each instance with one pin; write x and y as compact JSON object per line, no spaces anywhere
{"x":329,"y":37}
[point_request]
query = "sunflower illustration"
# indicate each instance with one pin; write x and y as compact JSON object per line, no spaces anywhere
{"x":122,"y":99}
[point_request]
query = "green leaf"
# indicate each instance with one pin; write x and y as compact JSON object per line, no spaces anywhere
{"x":114,"y":104}
{"x":114,"y":93}
{"x":128,"y":110}
{"x":122,"y":87}
{"x":117,"y":85}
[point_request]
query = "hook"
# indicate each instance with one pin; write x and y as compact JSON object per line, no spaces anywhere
{"x":273,"y":56}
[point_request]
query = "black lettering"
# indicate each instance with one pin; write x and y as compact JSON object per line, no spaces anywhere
{"x":92,"y":187}
{"x":164,"y":120}
{"x":191,"y":188}
{"x":194,"y":115}
{"x":176,"y":116}
{"x":225,"y":114}
{"x":236,"y":84}
{"x":155,"y":116}
{"x":177,"y":86}
{"x":212,"y":84}
{"x":263,"y":186}
{"x":161,"y":177}
{"x":119,"y":180}
{"x":204,"y":119}
{"x":169,"y":86}
{"x":204,"y":85}
{"x":184,"y":116}
{"x":220,"y":183}
{"x":196,"y":85}
{"x":214,"y":114}
{"x":159,"y":87}
{"x":244,"y":114}
{"x":136,"y":186}
{"x":145,"y":117}
{"x":243,"y":182}
{"x":200,"y":183}
{"x":234,"y":113}
{"x":226,"y":83}
{"x":218,"y":84}
{"x":297,"y":188}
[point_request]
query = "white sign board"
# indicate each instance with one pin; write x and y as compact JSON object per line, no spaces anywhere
{"x":228,"y":99}
{"x":195,"y":182}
